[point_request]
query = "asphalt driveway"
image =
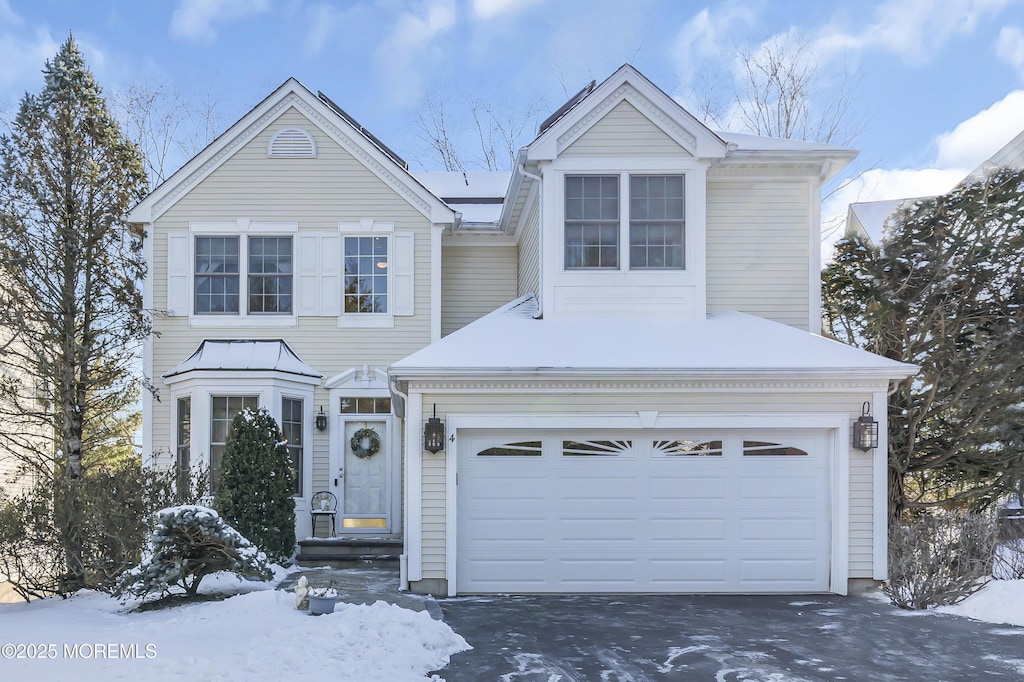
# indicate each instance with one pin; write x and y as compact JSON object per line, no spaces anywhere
{"x":724,"y":638}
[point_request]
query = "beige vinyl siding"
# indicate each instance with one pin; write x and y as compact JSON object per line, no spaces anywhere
{"x":758,"y":240}
{"x":316,"y":193}
{"x":577,"y":402}
{"x":529,"y":252}
{"x":623,"y":132}
{"x":475,"y":280}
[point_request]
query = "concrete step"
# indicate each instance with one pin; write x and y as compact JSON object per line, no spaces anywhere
{"x":349,"y":551}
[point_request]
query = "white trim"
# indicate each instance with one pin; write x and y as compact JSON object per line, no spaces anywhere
{"x":880,"y":488}
{"x":414,"y":487}
{"x":243,"y":229}
{"x":147,"y":350}
{"x":435,"y":283}
{"x":839,"y":474}
{"x":814,"y":322}
{"x":365,"y":226}
{"x":837,"y":423}
{"x":366,"y":321}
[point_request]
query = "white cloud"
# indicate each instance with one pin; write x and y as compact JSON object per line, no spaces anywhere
{"x":911,"y":29}
{"x":958,"y":152}
{"x":1010,"y":47}
{"x":194,"y":19}
{"x":406,"y":55}
{"x":22,"y":56}
{"x":710,"y":34}
{"x":488,"y":9}
{"x":7,"y":15}
{"x":980,"y":136}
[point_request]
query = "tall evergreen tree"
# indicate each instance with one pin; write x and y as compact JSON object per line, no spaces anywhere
{"x":71,"y":267}
{"x":255,"y":487}
{"x":945,"y":291}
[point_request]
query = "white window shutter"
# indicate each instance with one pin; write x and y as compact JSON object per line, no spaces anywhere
{"x":402,"y":261}
{"x":330,"y":275}
{"x":177,"y":274}
{"x":307,"y":267}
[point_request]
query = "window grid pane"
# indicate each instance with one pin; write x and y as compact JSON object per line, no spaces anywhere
{"x":366,"y":274}
{"x":291,"y":429}
{"x":270,"y":275}
{"x":224,"y":409}
{"x":656,"y":222}
{"x":591,"y":221}
{"x":216,"y":275}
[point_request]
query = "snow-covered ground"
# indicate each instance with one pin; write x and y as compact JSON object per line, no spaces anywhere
{"x":256,"y":635}
{"x":1001,"y":601}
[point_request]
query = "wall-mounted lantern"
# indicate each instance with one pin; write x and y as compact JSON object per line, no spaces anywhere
{"x":321,"y":420}
{"x":865,"y":430}
{"x":433,"y":434}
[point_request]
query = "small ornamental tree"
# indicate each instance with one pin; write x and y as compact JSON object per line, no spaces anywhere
{"x":189,"y":543}
{"x":254,"y":493}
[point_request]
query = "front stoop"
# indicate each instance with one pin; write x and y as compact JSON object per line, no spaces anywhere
{"x":346,"y":552}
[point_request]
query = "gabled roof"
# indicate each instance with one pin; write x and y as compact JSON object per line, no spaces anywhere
{"x":590,"y":104}
{"x":511,"y":341}
{"x":329,"y":118}
{"x":245,"y":356}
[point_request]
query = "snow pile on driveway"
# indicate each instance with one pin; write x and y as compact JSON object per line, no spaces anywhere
{"x":252,"y":636}
{"x":1001,"y":601}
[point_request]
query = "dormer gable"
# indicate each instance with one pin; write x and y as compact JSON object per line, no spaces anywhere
{"x":624,"y":91}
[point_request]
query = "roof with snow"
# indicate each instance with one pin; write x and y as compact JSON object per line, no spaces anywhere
{"x":478,"y":196}
{"x":511,"y":340}
{"x":244,"y":356}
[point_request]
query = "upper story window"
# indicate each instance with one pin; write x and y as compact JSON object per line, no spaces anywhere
{"x":596,"y":224}
{"x":218,"y":276}
{"x":366,"y":274}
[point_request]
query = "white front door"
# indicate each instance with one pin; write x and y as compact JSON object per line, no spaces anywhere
{"x":361,"y":476}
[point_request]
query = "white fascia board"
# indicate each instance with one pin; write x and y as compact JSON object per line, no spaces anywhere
{"x":830,"y":162}
{"x":241,"y":377}
{"x":881,"y":375}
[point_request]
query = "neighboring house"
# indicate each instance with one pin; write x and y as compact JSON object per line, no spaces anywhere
{"x":867,"y":218}
{"x":620,"y":339}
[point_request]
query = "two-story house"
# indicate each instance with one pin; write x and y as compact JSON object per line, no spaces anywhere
{"x":619,"y":340}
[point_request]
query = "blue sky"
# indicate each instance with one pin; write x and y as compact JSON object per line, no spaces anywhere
{"x":939,"y":84}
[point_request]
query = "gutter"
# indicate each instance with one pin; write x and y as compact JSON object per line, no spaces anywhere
{"x":540,"y":238}
{"x":662,"y":373}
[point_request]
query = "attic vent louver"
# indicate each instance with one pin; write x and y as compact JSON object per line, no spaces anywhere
{"x":291,"y":143}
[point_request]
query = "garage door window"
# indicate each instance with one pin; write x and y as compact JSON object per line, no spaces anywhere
{"x":762,"y":449}
{"x":525,"y":449}
{"x":599,"y":448}
{"x":688,"y":448}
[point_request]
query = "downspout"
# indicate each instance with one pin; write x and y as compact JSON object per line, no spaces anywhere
{"x":540,"y":237}
{"x":403,"y":559}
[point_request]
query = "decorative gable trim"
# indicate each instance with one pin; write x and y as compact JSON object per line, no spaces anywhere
{"x":686,"y":139}
{"x":290,"y":95}
{"x":628,"y":84}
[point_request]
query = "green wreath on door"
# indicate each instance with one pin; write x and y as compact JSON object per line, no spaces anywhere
{"x":365,"y":443}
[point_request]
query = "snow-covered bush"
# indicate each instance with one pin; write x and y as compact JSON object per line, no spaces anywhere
{"x":1008,"y":563}
{"x":191,"y":542}
{"x":941,"y":559}
{"x":256,"y":486}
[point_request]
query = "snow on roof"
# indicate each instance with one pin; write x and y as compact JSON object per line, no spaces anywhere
{"x":484,"y":184}
{"x":512,"y":340}
{"x":267,"y":356}
{"x":478,"y":196}
{"x":775,"y":144}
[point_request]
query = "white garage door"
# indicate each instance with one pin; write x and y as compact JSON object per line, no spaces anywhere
{"x":594,"y":511}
